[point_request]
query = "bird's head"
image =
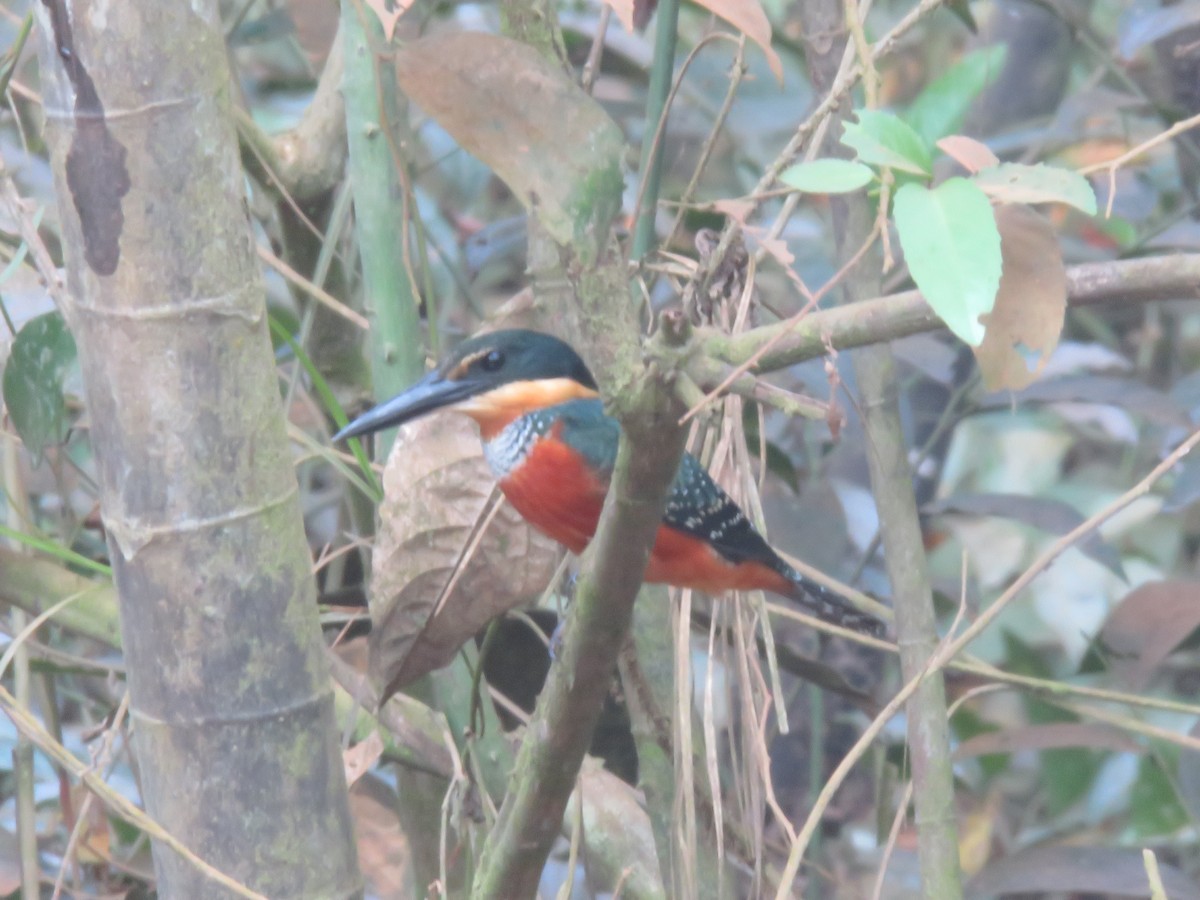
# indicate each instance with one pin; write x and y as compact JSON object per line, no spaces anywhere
{"x":494,"y":378}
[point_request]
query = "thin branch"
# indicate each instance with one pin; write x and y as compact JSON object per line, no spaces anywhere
{"x":322,"y":296}
{"x":1112,"y":165}
{"x":900,"y":315}
{"x":591,"y":69}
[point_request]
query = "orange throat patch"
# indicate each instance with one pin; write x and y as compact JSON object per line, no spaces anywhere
{"x":498,"y":408}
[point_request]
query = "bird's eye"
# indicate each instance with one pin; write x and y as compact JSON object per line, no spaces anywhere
{"x":492,"y":361}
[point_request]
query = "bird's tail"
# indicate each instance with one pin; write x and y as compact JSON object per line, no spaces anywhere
{"x":824,"y":604}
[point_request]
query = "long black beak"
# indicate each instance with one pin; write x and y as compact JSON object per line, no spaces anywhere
{"x":427,"y":395}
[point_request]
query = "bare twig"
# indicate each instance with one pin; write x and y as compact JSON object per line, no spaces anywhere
{"x":900,"y":315}
{"x":318,"y":293}
{"x":1112,"y":165}
{"x":592,"y":67}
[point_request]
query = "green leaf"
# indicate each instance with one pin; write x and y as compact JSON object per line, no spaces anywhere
{"x":1154,"y":807}
{"x":42,"y":354}
{"x":883,"y":139}
{"x":952,"y":248}
{"x":1066,"y":776}
{"x":827,"y":176}
{"x":942,"y":106}
{"x":1017,"y":183}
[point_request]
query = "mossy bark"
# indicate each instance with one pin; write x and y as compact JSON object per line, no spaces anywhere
{"x":230,"y":697}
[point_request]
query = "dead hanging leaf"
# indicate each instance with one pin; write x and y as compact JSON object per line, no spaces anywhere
{"x":748,"y":17}
{"x":552,"y":144}
{"x":1024,"y":326}
{"x":1147,"y":626}
{"x":436,"y":487}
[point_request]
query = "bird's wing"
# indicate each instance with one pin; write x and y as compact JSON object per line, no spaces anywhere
{"x":592,"y":433}
{"x":697,"y":506}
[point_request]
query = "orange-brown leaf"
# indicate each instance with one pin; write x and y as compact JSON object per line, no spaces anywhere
{"x":972,"y":155}
{"x":748,"y":17}
{"x":1024,"y":326}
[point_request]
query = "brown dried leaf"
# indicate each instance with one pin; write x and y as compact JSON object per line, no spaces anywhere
{"x":969,"y":153}
{"x":1025,"y":324}
{"x":552,"y":144}
{"x":748,"y":17}
{"x":436,"y":487}
{"x":1147,"y":626}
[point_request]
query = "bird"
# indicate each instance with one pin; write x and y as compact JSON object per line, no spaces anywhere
{"x":552,"y":448}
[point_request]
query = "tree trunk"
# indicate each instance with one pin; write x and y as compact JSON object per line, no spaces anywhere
{"x":231,"y":702}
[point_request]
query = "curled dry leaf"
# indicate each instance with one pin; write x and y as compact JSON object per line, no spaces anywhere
{"x":1024,"y":326}
{"x":436,"y":489}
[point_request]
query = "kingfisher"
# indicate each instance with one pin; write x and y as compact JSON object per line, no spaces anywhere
{"x":552,"y":449}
